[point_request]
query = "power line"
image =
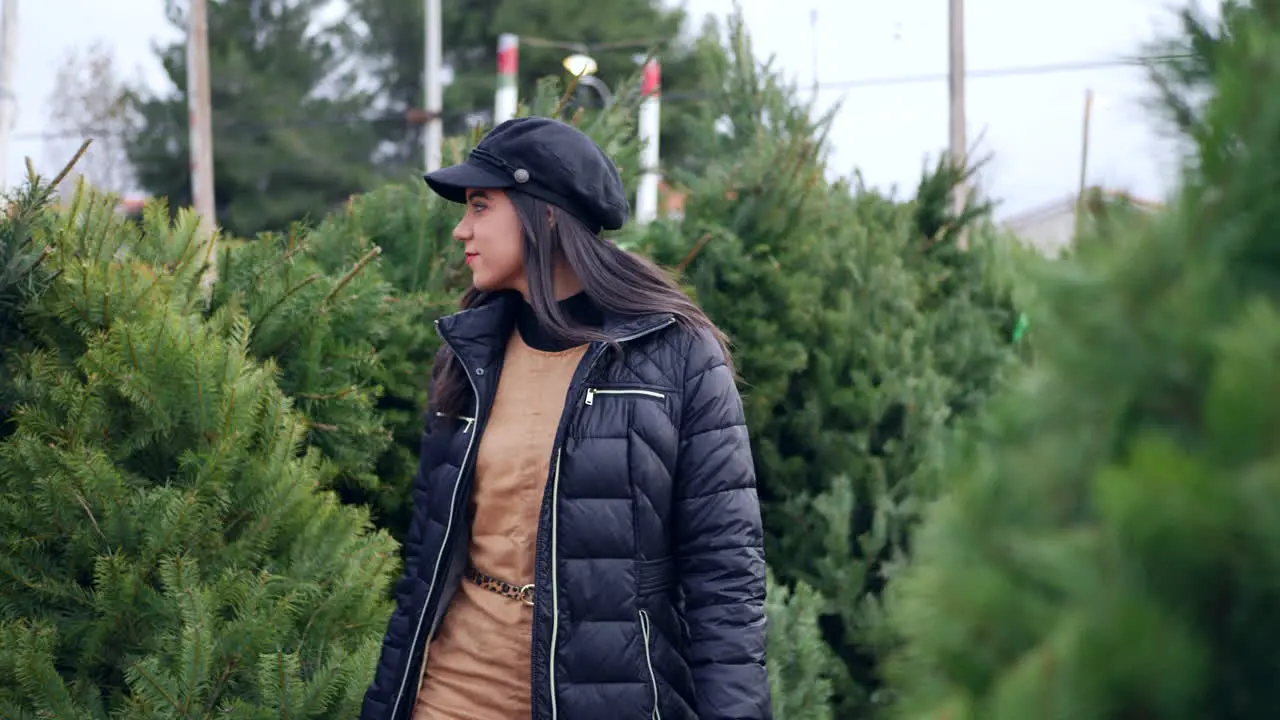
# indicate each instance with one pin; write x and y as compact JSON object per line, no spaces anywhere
{"x":885,"y":81}
{"x":412,"y":118}
{"x":1009,"y":71}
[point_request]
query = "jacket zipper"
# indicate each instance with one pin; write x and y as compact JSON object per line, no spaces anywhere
{"x":645,"y":630}
{"x":453,"y":501}
{"x":555,"y":502}
{"x":555,"y":585}
{"x":593,"y":392}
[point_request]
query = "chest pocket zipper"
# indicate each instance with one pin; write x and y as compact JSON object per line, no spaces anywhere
{"x":468,"y":420}
{"x":593,"y":392}
{"x":646,"y":630}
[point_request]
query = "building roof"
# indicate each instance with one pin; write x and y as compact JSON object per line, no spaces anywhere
{"x":1068,"y":205}
{"x":133,"y":203}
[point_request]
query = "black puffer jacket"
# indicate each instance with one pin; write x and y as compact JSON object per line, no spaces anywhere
{"x":650,"y":572}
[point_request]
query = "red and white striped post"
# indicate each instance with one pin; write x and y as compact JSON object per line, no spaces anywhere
{"x":649,"y":126}
{"x":507,"y":96}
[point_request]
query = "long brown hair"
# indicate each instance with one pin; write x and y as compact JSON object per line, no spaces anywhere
{"x":617,"y":281}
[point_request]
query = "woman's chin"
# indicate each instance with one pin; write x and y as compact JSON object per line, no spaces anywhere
{"x":486,"y":282}
{"x":482,"y":285}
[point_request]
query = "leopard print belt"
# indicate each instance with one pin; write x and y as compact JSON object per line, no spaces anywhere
{"x":523,"y":593}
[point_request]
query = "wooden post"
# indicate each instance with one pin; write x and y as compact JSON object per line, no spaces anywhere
{"x":433,"y":86}
{"x":200,"y":116}
{"x":956,"y":71}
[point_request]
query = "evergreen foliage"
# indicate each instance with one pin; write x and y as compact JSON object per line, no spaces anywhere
{"x":24,"y":274}
{"x":294,"y":135}
{"x":320,"y":318}
{"x":1108,"y":542}
{"x":800,"y":662}
{"x":166,"y":551}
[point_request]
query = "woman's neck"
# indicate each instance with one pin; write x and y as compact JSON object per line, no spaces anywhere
{"x":577,"y":307}
{"x":566,"y":281}
{"x":563,"y":279}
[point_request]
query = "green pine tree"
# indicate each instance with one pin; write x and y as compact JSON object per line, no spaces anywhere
{"x":801,"y":665}
{"x":320,"y":318}
{"x":293,"y":136}
{"x":1108,"y":543}
{"x":166,"y":550}
{"x":24,"y":274}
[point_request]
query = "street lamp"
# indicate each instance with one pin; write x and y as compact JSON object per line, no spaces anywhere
{"x":579,"y":64}
{"x":583,"y":67}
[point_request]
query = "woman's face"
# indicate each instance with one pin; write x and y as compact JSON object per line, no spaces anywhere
{"x":494,"y":241}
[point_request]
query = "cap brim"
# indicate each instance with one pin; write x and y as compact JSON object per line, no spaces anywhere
{"x":452,"y":183}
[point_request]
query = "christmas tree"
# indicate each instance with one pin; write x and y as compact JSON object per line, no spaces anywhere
{"x":801,"y":665}
{"x":24,"y":274}
{"x":166,"y":551}
{"x":320,"y":317}
{"x":1107,"y":547}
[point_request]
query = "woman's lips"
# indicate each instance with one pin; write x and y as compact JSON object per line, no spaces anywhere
{"x":470,"y":257}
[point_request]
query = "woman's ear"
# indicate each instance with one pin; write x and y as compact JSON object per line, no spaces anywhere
{"x":551,"y":218}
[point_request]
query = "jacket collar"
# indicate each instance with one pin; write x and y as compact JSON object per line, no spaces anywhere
{"x":479,"y":335}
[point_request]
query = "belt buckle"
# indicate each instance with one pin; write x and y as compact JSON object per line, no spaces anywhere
{"x":525,"y":594}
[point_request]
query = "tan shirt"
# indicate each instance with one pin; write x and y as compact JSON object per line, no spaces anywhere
{"x":478,"y":666}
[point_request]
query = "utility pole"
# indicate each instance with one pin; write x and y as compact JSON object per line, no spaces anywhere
{"x":958,"y":141}
{"x":8,"y":100}
{"x":200,"y":127}
{"x":1084,"y":162}
{"x":433,"y":87}
{"x":813,"y":40}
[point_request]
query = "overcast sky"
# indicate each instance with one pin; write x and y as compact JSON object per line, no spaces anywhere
{"x":1029,"y":123}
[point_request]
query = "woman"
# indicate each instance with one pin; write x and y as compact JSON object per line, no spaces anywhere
{"x":586,"y":540}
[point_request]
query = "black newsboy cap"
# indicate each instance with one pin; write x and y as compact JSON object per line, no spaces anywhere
{"x":548,"y":159}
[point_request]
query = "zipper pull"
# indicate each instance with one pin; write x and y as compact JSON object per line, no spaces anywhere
{"x":467,"y":429}
{"x":591,"y":396}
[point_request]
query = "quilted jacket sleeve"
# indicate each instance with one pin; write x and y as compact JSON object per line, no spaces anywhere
{"x":430,"y":451}
{"x":720,"y":542}
{"x":381,"y":694}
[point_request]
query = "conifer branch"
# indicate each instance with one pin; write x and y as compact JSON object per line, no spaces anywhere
{"x":564,"y":98}
{"x":89,"y":512}
{"x":155,"y":684}
{"x":694,"y":252}
{"x":359,"y":266}
{"x":62,"y":174}
{"x":75,"y":159}
{"x":328,"y":396}
{"x":284,"y":259}
{"x":140,"y":297}
{"x":285,"y":297}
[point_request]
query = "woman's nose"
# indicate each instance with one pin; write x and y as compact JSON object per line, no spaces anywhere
{"x":461,"y":233}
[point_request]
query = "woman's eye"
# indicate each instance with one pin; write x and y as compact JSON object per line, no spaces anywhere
{"x":477,"y":206}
